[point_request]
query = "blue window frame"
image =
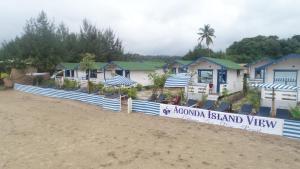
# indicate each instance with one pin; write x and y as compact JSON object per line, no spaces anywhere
{"x":287,"y":77}
{"x":259,"y":73}
{"x":205,"y":76}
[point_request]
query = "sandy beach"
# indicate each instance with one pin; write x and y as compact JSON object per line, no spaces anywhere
{"x":45,"y":133}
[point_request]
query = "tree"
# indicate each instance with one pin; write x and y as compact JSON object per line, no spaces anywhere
{"x":158,"y":81}
{"x":197,"y":52}
{"x":207,"y":33}
{"x":88,"y":63}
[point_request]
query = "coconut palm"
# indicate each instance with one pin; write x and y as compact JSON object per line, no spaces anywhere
{"x":208,"y":34}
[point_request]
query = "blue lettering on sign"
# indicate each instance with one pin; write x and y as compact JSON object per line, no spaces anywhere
{"x":190,"y":112}
{"x":225,"y":117}
{"x":261,"y":122}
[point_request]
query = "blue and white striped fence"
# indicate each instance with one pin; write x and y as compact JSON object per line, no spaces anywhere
{"x":112,"y":104}
{"x":151,"y":108}
{"x":291,"y":128}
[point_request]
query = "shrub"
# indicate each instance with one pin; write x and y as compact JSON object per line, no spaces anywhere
{"x":253,"y":97}
{"x":70,"y":85}
{"x":295,"y":111}
{"x":124,"y":91}
{"x":132,"y":93}
{"x":48,"y":83}
{"x":139,"y":87}
{"x":148,"y":87}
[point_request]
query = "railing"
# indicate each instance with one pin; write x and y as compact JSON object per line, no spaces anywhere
{"x":199,"y":89}
{"x":279,"y":95}
{"x":254,"y":81}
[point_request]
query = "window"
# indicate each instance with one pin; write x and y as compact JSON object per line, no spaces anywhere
{"x":205,"y":76}
{"x":287,"y":77}
{"x":127,"y":73}
{"x":258,"y":74}
{"x":182,"y":70}
{"x":94,"y":73}
{"x":174,"y":70}
{"x":69,"y":73}
{"x":119,"y":72}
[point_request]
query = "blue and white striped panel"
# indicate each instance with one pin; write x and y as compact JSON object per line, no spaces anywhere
{"x":151,"y":108}
{"x":83,"y":97}
{"x":112,"y":104}
{"x":291,"y":128}
{"x":178,"y":80}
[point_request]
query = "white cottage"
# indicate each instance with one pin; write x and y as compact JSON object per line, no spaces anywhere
{"x":211,"y":76}
{"x":284,"y":70}
{"x":136,"y":71}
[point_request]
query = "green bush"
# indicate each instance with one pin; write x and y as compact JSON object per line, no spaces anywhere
{"x":295,"y":111}
{"x":253,"y":97}
{"x":48,"y":83}
{"x":70,"y":85}
{"x":139,"y":87}
{"x":109,"y":90}
{"x":124,"y":91}
{"x":148,"y":87}
{"x":132,"y":93}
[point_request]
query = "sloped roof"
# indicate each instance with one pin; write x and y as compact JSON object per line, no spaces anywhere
{"x":260,"y":60}
{"x":68,"y":66}
{"x":183,"y":62}
{"x":289,"y":56}
{"x":144,"y":65}
{"x":222,"y":62}
{"x":72,"y":66}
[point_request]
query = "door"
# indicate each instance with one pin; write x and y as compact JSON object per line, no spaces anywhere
{"x":221,"y":78}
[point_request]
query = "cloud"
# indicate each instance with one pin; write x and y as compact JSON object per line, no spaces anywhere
{"x":161,"y":27}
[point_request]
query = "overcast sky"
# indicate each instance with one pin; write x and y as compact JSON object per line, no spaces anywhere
{"x":167,"y":27}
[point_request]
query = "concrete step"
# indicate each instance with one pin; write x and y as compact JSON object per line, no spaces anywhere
{"x":213,"y":97}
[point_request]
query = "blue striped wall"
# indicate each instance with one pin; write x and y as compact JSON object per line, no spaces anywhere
{"x":112,"y":104}
{"x":291,"y":128}
{"x":151,"y":108}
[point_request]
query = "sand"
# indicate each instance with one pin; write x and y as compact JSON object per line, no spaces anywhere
{"x":43,"y":133}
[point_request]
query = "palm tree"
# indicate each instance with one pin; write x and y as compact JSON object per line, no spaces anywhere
{"x":88,"y":63}
{"x":207,"y":33}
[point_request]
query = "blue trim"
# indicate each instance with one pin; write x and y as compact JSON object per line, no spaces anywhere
{"x":199,"y":70}
{"x":289,"y":56}
{"x":218,"y":79}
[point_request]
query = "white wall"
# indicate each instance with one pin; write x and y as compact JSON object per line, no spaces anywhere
{"x":234,"y":81}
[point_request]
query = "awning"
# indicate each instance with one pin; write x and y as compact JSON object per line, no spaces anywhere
{"x":178,"y":80}
{"x":119,"y":81}
{"x":275,"y":86}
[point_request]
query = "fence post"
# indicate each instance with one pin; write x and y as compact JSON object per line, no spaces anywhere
{"x":129,"y":105}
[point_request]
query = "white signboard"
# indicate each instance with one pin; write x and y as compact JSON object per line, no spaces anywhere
{"x":252,"y":123}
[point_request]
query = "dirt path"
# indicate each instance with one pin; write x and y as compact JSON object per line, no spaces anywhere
{"x":43,"y":133}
